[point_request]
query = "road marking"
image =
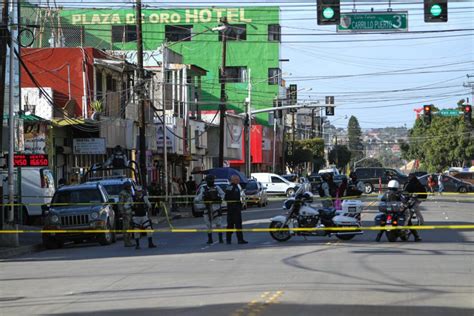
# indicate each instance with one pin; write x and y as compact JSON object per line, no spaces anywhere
{"x":257,"y":306}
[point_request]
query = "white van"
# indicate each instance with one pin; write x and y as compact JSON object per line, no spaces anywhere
{"x":37,"y":188}
{"x":274,"y":183}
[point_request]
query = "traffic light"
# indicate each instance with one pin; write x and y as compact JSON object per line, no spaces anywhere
{"x":427,"y":114}
{"x":436,"y":10}
{"x":329,"y":12}
{"x":330,"y":111}
{"x":279,"y":113}
{"x":468,"y":114}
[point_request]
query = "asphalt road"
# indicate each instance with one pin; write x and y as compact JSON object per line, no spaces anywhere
{"x":318,"y":276}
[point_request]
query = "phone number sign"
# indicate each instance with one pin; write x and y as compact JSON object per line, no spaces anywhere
{"x":30,"y":160}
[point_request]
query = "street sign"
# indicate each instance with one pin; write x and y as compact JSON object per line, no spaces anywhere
{"x":449,"y":112}
{"x":293,"y":94}
{"x":88,"y":146}
{"x":392,"y":21}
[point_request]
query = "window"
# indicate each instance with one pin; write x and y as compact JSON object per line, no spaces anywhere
{"x":274,"y":33}
{"x":277,"y":180}
{"x":176,"y":33}
{"x":274,"y":75}
{"x":235,"y":32}
{"x":124,"y":33}
{"x":234,"y":74}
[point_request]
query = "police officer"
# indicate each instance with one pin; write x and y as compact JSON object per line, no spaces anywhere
{"x":356,"y":187}
{"x":125,"y":210}
{"x":211,"y":195}
{"x":234,"y":210}
{"x":140,"y":219}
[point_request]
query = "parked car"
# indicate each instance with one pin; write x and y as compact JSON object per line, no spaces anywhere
{"x":275,"y":183}
{"x":451,"y":184}
{"x":37,"y":188}
{"x":114,"y":186}
{"x":465,"y":176}
{"x":198,"y":208}
{"x":290,"y":177}
{"x":78,"y":208}
{"x":371,"y":175}
{"x":256,"y":193}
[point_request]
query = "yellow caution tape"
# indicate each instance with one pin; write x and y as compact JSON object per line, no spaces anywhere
{"x":224,"y":230}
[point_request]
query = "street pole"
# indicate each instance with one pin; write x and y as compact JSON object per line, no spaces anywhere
{"x":3,"y":64}
{"x":222,"y":105}
{"x":312,"y":123}
{"x":274,"y":141}
{"x":293,"y":127}
{"x":248,"y":130}
{"x":165,"y":142}
{"x":141,"y":78}
{"x":11,"y":124}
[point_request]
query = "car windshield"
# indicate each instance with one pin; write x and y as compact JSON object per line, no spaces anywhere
{"x":251,"y":185}
{"x":114,"y":189}
{"x":72,"y":197}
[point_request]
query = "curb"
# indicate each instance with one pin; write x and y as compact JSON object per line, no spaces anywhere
{"x":18,"y":251}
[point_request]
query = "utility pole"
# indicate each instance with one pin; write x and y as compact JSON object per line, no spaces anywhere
{"x":222,"y":105}
{"x":141,"y":94}
{"x":165,"y":141}
{"x":248,"y":130}
{"x":3,"y":62}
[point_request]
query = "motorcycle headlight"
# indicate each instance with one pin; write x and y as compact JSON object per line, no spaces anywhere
{"x":94,"y":215}
{"x":54,"y":218}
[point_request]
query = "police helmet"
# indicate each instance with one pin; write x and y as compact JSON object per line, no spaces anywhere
{"x":308,"y":196}
{"x":210,"y":179}
{"x":393,"y":185}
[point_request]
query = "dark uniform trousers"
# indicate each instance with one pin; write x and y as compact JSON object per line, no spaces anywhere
{"x":234,"y":220}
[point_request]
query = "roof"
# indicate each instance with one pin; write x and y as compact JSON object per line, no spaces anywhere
{"x":77,"y":187}
{"x":28,"y":118}
{"x":109,"y":181}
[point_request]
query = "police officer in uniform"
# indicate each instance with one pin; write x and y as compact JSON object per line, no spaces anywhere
{"x":125,"y":209}
{"x":211,"y":195}
{"x":140,"y":219}
{"x":234,"y":210}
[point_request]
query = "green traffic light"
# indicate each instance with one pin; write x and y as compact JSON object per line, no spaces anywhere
{"x":436,"y":10}
{"x":328,"y":13}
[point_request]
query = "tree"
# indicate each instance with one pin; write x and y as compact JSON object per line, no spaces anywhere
{"x":369,"y":162}
{"x":354,"y":134}
{"x":445,"y":143}
{"x":340,"y":155}
{"x":306,"y":151}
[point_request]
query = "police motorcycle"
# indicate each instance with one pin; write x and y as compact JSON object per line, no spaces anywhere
{"x":300,"y":214}
{"x":393,"y":214}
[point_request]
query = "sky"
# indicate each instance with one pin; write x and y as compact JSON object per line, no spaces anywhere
{"x":379,"y":78}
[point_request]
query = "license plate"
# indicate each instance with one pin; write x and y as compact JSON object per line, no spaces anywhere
{"x":352,"y":209}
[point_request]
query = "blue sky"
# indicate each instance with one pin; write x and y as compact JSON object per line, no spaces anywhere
{"x":391,"y":74}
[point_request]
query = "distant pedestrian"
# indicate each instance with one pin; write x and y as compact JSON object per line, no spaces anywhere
{"x":431,"y":183}
{"x":234,"y":210}
{"x":211,"y":195}
{"x":175,"y":192}
{"x":440,"y":183}
{"x":125,"y":211}
{"x":191,"y":186}
{"x":61,"y":182}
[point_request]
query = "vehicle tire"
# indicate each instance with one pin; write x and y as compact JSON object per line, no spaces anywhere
{"x":404,"y":237}
{"x":462,"y":190}
{"x":106,"y":238}
{"x":279,"y":236}
{"x":392,"y":235}
{"x":345,"y":237}
{"x":290,"y":192}
{"x":50,"y":243}
{"x":368,"y":188}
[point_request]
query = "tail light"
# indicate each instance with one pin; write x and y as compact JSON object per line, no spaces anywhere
{"x":394,"y":222}
{"x":389,"y":219}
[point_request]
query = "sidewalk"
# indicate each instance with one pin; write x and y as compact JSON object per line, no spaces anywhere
{"x":29,"y":242}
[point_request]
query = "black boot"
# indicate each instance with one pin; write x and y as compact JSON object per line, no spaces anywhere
{"x":221,"y":238}
{"x":150,"y":243}
{"x":209,"y":239}
{"x":137,"y":243}
{"x":415,"y":234}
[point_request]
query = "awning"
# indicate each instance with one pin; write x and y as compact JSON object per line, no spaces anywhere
{"x":27,"y":118}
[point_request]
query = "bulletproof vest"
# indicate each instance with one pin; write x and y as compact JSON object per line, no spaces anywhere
{"x":118,"y":161}
{"x":139,"y":206}
{"x":211,"y":194}
{"x":232,"y":194}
